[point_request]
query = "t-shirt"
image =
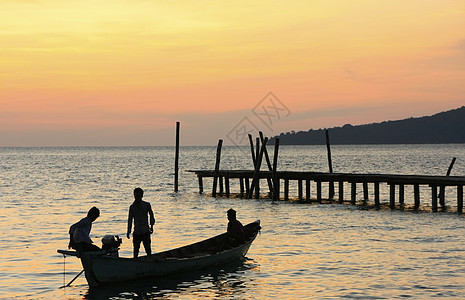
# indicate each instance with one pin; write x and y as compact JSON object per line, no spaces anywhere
{"x":81,"y":231}
{"x":139,"y":212}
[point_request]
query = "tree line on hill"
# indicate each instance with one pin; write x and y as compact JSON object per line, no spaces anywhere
{"x":444,"y":127}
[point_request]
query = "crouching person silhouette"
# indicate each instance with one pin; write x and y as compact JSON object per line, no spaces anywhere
{"x":79,"y":233}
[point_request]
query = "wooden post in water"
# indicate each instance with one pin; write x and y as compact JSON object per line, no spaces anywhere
{"x":459,"y":199}
{"x":176,"y":159}
{"x":341,"y":192}
{"x":252,"y":150}
{"x":416,"y":193}
{"x":442,"y":196}
{"x":318,"y":191}
{"x":241,"y":183}
{"x":286,"y":189}
{"x":217,"y":167}
{"x":255,"y":185}
{"x":300,"y":189}
{"x":377,"y":204}
{"x":451,"y":166}
{"x":442,"y":189}
{"x":275,"y":175}
{"x":365,"y":191}
{"x":353,"y":195}
{"x":392,"y":195}
{"x":200,"y":184}
{"x":401,"y":194}
{"x":226,"y":183}
{"x":434,"y":196}
{"x":256,"y":176}
{"x":220,"y":183}
{"x":257,"y":148}
{"x":307,"y":189}
{"x":330,"y":164}
{"x":268,"y":162}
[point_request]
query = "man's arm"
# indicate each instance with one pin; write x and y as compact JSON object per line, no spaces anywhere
{"x":130,"y":217}
{"x":152,"y":218}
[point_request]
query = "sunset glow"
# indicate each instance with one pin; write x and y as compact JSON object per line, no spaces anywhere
{"x":73,"y":72}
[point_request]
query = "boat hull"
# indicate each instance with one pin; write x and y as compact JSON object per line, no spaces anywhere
{"x":103,"y":269}
{"x":106,"y":269}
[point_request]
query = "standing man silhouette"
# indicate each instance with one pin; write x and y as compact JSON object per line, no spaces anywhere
{"x":140,"y":211}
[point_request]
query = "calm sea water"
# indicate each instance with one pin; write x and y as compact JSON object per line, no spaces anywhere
{"x":318,"y":251}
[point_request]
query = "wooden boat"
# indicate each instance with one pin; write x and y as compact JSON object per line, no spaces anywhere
{"x":106,"y":267}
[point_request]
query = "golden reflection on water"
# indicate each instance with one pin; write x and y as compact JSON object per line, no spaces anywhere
{"x":304,"y":251}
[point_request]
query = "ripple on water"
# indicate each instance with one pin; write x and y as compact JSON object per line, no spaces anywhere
{"x":304,"y":251}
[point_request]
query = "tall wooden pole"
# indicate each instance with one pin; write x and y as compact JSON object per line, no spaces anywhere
{"x":257,"y":149}
{"x":330,"y":164}
{"x":275,"y":166}
{"x":256,"y":177}
{"x":217,"y":167}
{"x":252,"y":149}
{"x":442,"y":189}
{"x":268,"y":162}
{"x":176,"y":159}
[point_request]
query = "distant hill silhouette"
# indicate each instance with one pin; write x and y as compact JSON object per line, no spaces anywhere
{"x":444,"y":127}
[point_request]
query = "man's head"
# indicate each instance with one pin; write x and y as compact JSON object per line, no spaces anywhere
{"x":231,"y":214}
{"x":93,"y":213}
{"x":138,"y":193}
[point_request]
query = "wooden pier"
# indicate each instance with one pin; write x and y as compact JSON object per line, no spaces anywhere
{"x":396,"y":183}
{"x":249,"y":182}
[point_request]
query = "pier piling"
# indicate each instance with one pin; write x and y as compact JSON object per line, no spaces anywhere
{"x":341,"y":192}
{"x":392,"y":195}
{"x":460,"y":199}
{"x":376,"y":192}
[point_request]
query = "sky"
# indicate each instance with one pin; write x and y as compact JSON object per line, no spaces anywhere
{"x":122,"y":73}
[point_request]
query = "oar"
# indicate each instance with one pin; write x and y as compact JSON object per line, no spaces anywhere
{"x":72,"y":280}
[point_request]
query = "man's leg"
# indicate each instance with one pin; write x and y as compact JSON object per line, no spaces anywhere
{"x":147,"y":243}
{"x":136,"y":241}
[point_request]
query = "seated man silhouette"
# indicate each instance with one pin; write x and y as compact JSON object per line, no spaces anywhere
{"x":79,"y":232}
{"x":235,"y":229}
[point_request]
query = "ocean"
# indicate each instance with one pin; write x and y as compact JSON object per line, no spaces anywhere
{"x":304,"y":251}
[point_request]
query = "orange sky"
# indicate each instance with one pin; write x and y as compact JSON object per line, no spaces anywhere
{"x":123,"y":72}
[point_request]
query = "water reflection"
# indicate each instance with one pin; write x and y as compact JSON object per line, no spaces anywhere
{"x":229,"y":280}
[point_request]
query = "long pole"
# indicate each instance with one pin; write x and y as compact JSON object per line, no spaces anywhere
{"x":176,"y":159}
{"x":256,"y":176}
{"x":270,"y":168}
{"x":442,"y":189}
{"x":252,"y":149}
{"x":217,"y":167}
{"x":330,"y":164}
{"x":275,"y":166}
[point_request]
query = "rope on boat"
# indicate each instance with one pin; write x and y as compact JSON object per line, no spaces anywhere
{"x":64,"y":269}
{"x":64,"y":274}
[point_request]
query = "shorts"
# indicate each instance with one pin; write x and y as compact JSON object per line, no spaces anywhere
{"x":144,"y":237}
